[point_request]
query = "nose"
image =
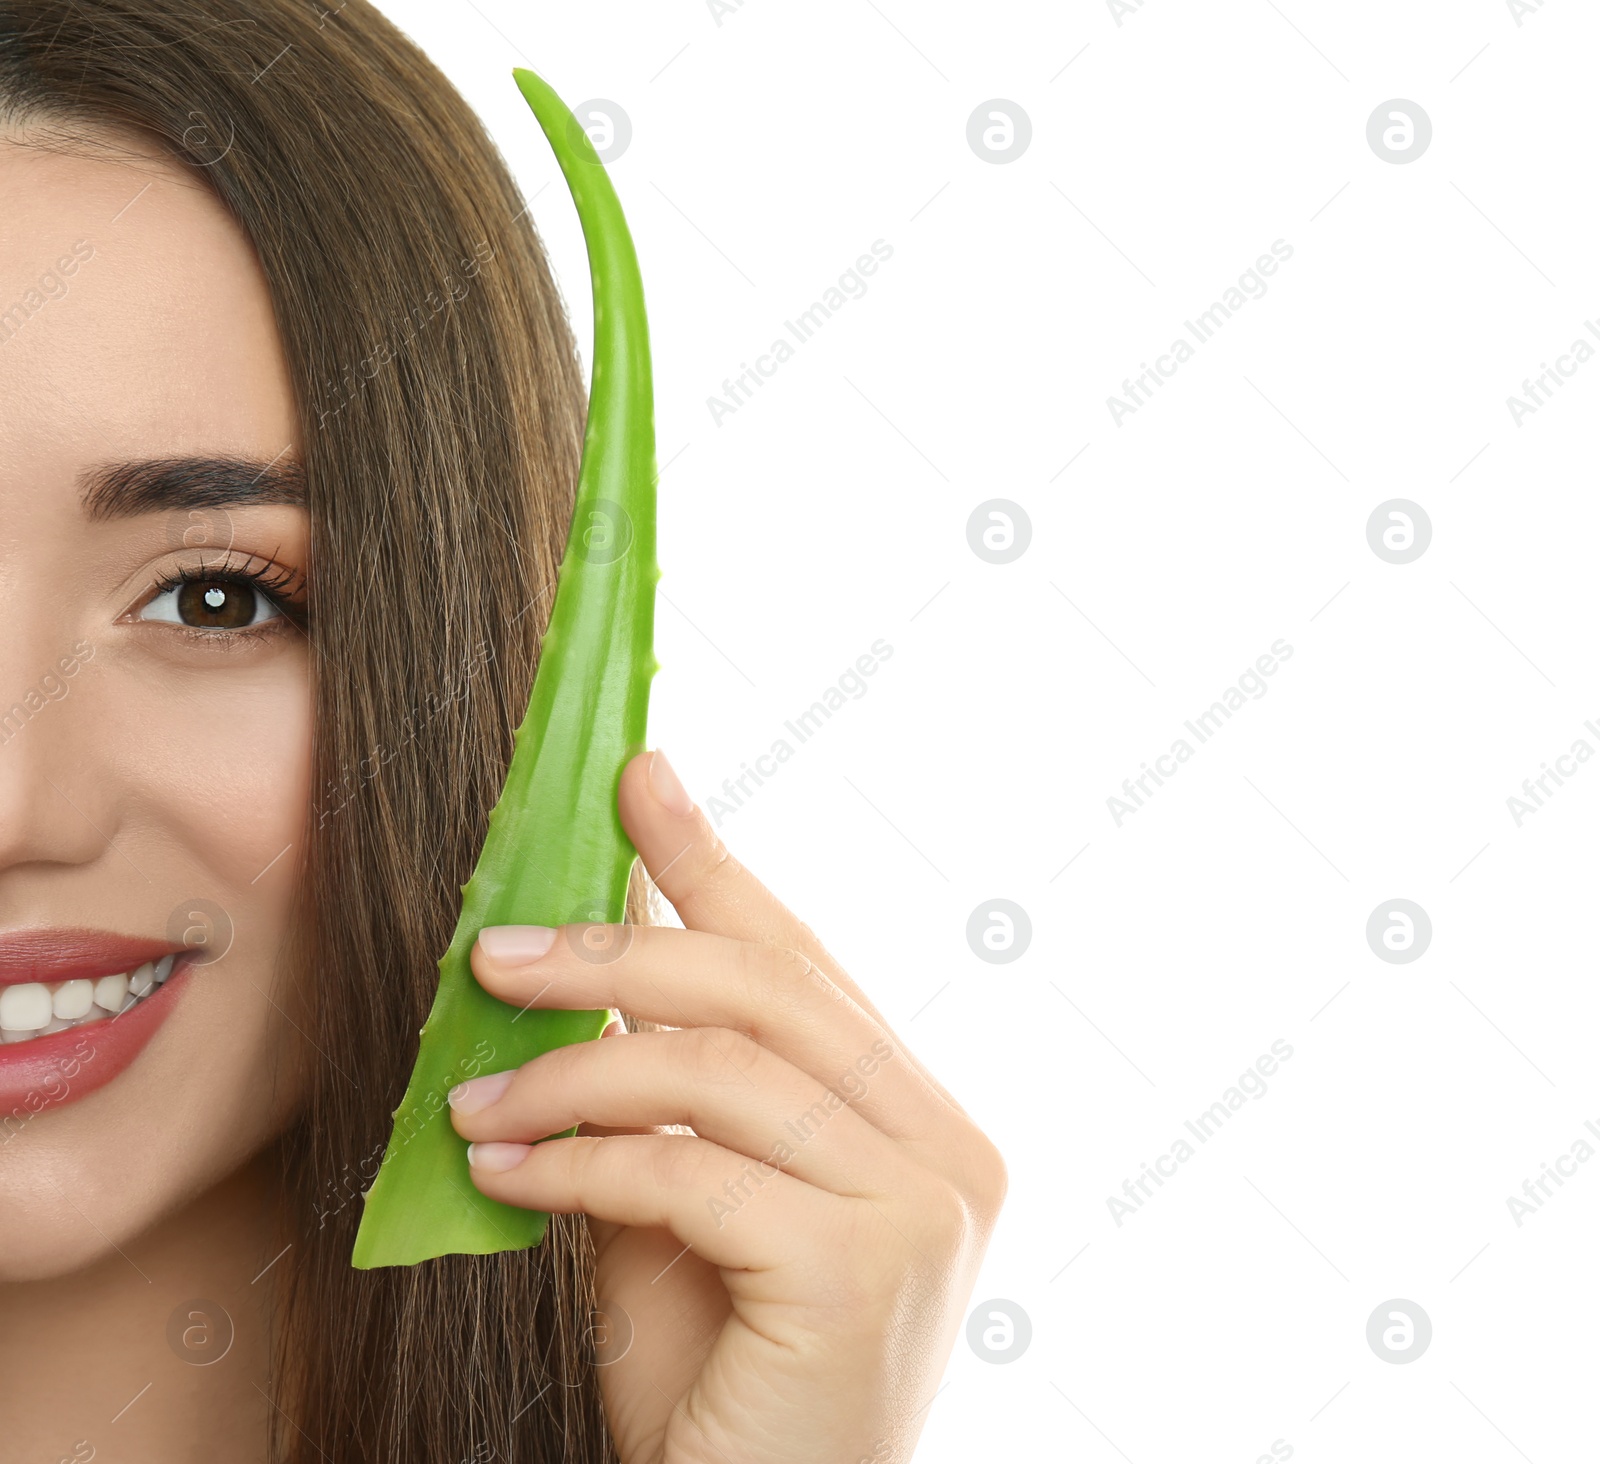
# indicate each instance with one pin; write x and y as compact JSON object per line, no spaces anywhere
{"x":53,"y":807}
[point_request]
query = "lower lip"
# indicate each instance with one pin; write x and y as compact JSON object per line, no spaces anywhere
{"x":47,"y":1072}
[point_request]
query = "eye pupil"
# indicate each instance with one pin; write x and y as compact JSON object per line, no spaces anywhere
{"x":216,"y":605}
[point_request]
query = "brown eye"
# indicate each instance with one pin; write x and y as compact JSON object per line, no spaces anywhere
{"x":216,"y":604}
{"x":211,"y":604}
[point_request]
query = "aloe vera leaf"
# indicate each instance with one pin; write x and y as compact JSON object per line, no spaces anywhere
{"x":555,"y":851}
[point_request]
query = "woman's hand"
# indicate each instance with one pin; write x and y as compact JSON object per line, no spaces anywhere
{"x":784,"y":1283}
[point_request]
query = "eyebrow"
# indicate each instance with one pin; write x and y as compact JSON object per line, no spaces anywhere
{"x":155,"y":485}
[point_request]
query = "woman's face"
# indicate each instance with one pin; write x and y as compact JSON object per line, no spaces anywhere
{"x":154,"y":731}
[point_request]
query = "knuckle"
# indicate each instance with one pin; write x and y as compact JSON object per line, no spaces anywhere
{"x":941,"y":1219}
{"x":886,"y":1255}
{"x":560,"y":1070}
{"x":705,"y":867}
{"x":572,"y":1159}
{"x":751,"y":959}
{"x":990,"y":1178}
{"x":855,"y":1257}
{"x":717,"y":866}
{"x":786,"y":980}
{"x":980,"y":1179}
{"x":778,"y":975}
{"x":719,"y":1056}
{"x":862,"y":1275}
{"x":675,"y":1163}
{"x":549,"y":1064}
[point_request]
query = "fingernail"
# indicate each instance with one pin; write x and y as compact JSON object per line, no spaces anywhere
{"x":476,"y":1094}
{"x":496,"y":1158}
{"x":516,"y":945}
{"x":614,"y":1028}
{"x":668,"y":791}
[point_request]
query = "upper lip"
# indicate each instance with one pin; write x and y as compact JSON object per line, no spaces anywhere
{"x":72,"y":955}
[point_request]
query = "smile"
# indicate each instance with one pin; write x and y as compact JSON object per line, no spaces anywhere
{"x":77,"y":1007}
{"x":40,"y":1009}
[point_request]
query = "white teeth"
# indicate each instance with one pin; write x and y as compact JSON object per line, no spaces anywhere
{"x":37,"y":1009}
{"x":72,"y":1000}
{"x":26,"y":1007}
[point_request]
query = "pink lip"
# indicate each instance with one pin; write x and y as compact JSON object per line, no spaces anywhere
{"x":45,"y":1073}
{"x":74,"y":955}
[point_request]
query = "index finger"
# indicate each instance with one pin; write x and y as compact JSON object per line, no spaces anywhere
{"x":711,"y":890}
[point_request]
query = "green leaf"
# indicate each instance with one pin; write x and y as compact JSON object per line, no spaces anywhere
{"x":555,"y":852}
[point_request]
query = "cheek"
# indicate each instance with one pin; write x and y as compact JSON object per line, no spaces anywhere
{"x":216,"y":791}
{"x":203,"y":779}
{"x":218,"y":780}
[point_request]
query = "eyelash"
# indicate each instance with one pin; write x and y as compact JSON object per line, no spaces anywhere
{"x":279,"y":585}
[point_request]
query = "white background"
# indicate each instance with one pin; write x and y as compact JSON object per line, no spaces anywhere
{"x":1168,"y":153}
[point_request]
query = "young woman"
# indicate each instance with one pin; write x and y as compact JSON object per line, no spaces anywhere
{"x":291,"y":425}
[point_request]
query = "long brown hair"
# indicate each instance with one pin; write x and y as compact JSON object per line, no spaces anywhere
{"x":442,"y":409}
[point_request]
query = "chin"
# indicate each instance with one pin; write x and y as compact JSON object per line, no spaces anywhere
{"x":51,"y":1240}
{"x":130,"y":1126}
